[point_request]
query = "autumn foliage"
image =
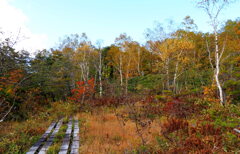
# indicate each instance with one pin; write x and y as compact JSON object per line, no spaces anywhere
{"x":83,"y":89}
{"x":209,"y":93}
{"x":9,"y":80}
{"x":198,"y":138}
{"x":181,"y":109}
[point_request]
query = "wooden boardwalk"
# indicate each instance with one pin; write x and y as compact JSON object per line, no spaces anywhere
{"x":70,"y":143}
{"x":75,"y":141}
{"x":237,"y":130}
{"x":67,"y":139}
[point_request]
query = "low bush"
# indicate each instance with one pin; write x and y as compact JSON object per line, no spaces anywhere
{"x":226,"y":117}
{"x":183,"y":137}
{"x":181,"y":109}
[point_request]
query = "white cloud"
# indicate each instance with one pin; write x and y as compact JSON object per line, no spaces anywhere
{"x":13,"y":22}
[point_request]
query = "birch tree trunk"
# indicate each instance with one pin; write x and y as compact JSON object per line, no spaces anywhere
{"x":121,"y":71}
{"x":100,"y":74}
{"x":167,"y":74}
{"x":176,"y":74}
{"x":175,"y":77}
{"x":84,"y":66}
{"x":217,"y":69}
{"x":127,"y":76}
{"x":213,"y":9}
{"x":138,"y":63}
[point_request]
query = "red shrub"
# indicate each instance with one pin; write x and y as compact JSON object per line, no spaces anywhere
{"x":112,"y":101}
{"x":84,"y":89}
{"x":180,"y":109}
{"x":106,"y":101}
{"x":153,"y":109}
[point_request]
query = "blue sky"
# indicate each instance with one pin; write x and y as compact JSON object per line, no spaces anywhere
{"x":106,"y":19}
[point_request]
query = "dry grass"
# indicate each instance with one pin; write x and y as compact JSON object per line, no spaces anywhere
{"x":102,"y":132}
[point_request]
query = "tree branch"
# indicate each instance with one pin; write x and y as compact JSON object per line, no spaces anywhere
{"x":209,"y":55}
{"x":223,"y":48}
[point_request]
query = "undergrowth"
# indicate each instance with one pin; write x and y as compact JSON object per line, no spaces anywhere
{"x":19,"y":136}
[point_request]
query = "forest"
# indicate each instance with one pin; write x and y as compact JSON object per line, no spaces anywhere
{"x":179,"y":92}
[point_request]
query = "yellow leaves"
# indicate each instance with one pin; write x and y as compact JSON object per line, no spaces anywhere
{"x":114,"y":55}
{"x":167,"y":47}
{"x":237,"y":60}
{"x":171,"y":47}
{"x":83,"y":54}
{"x":185,"y":60}
{"x":209,"y":93}
{"x":185,"y":45}
{"x":126,"y":57}
{"x":9,"y":91}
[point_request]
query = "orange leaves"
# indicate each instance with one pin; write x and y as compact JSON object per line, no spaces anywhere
{"x":8,"y":81}
{"x":237,"y":28}
{"x":11,"y":77}
{"x":83,"y":89}
{"x":209,"y":93}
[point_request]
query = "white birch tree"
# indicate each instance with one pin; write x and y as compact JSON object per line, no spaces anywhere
{"x":213,"y":8}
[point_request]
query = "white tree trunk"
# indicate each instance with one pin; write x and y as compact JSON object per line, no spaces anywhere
{"x":121,"y":71}
{"x":217,"y":69}
{"x":213,"y":9}
{"x":175,"y":77}
{"x":167,"y":73}
{"x":127,"y":76}
{"x":139,"y":61}
{"x":100,"y":74}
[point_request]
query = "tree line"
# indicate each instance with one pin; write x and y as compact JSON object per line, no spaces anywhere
{"x":173,"y":60}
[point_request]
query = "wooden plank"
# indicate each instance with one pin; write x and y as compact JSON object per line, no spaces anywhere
{"x":49,"y":142}
{"x":74,"y":151}
{"x":236,"y":130}
{"x":76,"y":131}
{"x":36,"y":146}
{"x":75,"y":142}
{"x":63,"y":152}
{"x":67,"y":139}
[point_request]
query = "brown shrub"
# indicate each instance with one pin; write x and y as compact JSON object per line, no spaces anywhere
{"x":203,"y":138}
{"x":174,"y":124}
{"x":180,"y":109}
{"x":209,"y":129}
{"x":111,"y":101}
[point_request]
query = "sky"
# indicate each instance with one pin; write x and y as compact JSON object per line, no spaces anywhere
{"x":41,"y":23}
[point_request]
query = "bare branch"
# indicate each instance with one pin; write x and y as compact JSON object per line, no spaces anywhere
{"x":223,"y":48}
{"x":2,"y":101}
{"x":10,"y":109}
{"x":209,"y":55}
{"x":2,"y":119}
{"x":17,"y":38}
